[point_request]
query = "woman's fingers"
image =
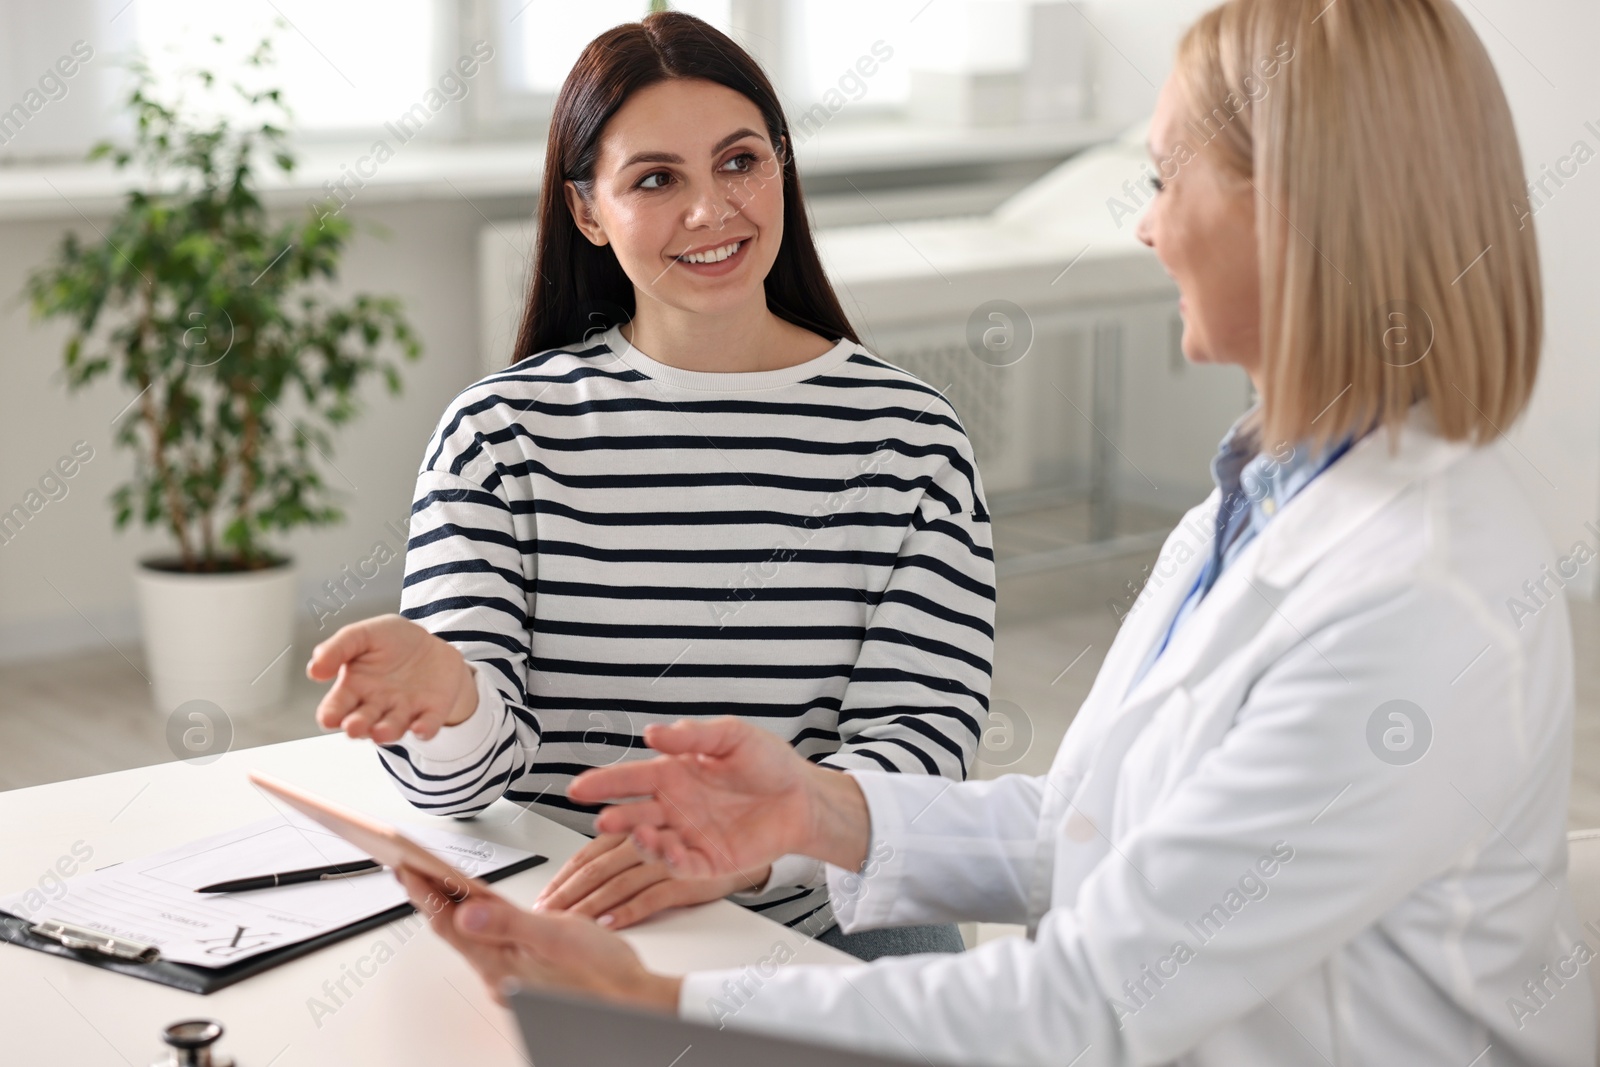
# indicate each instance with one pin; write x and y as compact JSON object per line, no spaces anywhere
{"x":625,"y":886}
{"x":337,"y":703}
{"x":652,"y":900}
{"x":597,"y":871}
{"x":595,"y":846}
{"x":394,"y":722}
{"x":371,"y":711}
{"x":428,"y":724}
{"x":347,"y":643}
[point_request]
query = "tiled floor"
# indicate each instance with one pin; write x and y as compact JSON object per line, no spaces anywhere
{"x":92,"y":713}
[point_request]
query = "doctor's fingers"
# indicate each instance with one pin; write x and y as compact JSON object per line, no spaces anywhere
{"x":635,"y":778}
{"x":627,"y":818}
{"x":430,"y":903}
{"x":431,"y":897}
{"x":685,"y":862}
{"x":495,"y":963}
{"x":719,"y":736}
{"x":542,"y":944}
{"x":667,"y":845}
{"x":590,"y":867}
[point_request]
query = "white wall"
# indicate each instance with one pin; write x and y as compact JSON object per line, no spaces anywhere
{"x":1132,"y":43}
{"x":1543,"y":51}
{"x":1545,"y":55}
{"x":86,"y":38}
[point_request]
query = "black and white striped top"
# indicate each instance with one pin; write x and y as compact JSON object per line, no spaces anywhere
{"x":613,"y":542}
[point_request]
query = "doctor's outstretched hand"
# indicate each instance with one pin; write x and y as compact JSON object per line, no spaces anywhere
{"x":726,"y":796}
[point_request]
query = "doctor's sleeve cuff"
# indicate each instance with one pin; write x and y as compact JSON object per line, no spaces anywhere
{"x":790,"y":870}
{"x":469,"y":740}
{"x":865,"y":898}
{"x":701,"y":997}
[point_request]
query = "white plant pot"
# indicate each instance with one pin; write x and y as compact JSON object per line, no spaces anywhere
{"x":218,"y":637}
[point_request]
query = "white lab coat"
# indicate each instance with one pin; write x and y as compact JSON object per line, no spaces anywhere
{"x":1220,"y":869}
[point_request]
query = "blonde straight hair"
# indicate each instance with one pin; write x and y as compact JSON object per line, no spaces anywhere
{"x":1398,"y":260}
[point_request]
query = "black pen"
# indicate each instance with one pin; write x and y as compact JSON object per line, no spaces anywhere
{"x":310,"y":874}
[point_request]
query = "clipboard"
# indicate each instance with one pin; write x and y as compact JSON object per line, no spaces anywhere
{"x":137,"y":960}
{"x":203,"y":980}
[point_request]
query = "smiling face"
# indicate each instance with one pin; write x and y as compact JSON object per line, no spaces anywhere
{"x":688,"y":192}
{"x":1201,"y":225}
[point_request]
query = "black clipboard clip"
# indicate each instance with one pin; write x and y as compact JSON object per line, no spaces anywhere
{"x":80,"y":937}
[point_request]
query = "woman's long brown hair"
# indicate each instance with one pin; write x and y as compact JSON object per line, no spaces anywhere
{"x":578,"y":287}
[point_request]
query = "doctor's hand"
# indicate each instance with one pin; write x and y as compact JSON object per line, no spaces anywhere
{"x":393,"y":676}
{"x":610,"y":882}
{"x":727,"y":797}
{"x":508,"y":945}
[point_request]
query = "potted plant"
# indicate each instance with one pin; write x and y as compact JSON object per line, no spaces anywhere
{"x":218,"y":322}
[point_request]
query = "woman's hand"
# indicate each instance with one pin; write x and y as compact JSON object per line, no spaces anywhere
{"x":393,"y":676}
{"x":507,"y":944}
{"x":608,"y":881}
{"x":728,"y":797}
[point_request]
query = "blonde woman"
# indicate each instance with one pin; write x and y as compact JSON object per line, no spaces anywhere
{"x":1313,"y":810}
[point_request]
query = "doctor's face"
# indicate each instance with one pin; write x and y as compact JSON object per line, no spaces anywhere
{"x":688,"y":192}
{"x":1202,"y":227}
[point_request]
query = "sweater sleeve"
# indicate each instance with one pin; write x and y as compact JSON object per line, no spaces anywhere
{"x":919,"y":693}
{"x":464,"y":583}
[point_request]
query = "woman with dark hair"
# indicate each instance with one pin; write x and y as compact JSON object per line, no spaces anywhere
{"x":757,"y":518}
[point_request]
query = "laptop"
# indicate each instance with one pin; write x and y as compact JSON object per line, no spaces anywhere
{"x":561,"y":1031}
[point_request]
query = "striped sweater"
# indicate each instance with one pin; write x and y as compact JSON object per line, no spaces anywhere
{"x":612,"y":542}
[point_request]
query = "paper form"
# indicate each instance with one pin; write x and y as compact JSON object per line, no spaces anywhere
{"x":153,"y":900}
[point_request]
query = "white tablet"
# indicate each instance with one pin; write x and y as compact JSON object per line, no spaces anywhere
{"x":379,"y":840}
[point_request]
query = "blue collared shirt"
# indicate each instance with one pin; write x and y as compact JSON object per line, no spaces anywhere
{"x":1255,"y":486}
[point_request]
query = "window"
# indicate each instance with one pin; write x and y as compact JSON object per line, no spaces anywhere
{"x":543,"y":38}
{"x":348,"y":67}
{"x":344,"y":67}
{"x":826,"y":39}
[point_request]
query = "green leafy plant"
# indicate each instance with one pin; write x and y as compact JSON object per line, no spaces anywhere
{"x":216,"y":318}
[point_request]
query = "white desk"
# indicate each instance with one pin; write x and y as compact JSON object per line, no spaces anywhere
{"x":423,"y":1006}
